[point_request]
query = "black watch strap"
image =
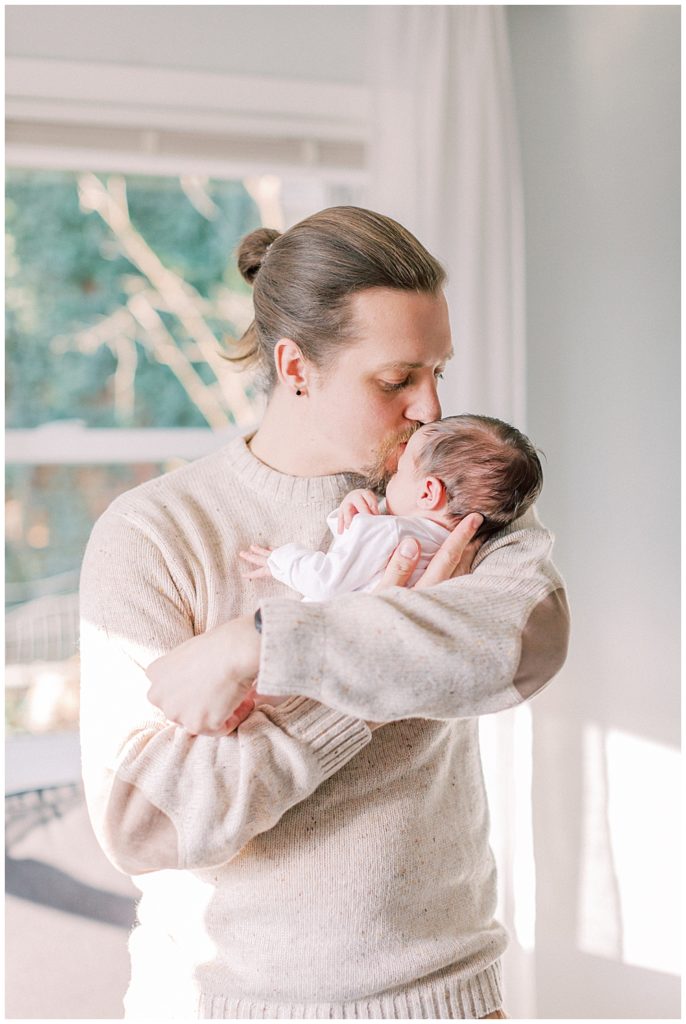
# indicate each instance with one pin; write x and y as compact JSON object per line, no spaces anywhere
{"x":258,"y":620}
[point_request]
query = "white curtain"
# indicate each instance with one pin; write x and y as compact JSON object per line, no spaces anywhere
{"x":444,"y":162}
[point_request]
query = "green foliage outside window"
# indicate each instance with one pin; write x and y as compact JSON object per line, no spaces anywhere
{"x":68,"y":272}
{"x":117,"y":291}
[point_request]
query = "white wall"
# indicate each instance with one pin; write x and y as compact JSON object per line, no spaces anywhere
{"x":309,"y":43}
{"x":597,"y":91}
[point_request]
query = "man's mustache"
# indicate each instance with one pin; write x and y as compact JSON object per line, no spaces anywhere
{"x":385,"y":463}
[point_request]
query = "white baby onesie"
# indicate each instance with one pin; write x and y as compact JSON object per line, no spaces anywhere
{"x":357,"y":557}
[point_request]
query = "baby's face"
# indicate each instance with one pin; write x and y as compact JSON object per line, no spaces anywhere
{"x":405,"y":486}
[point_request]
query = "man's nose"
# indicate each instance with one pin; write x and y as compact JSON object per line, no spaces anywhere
{"x":425,"y":405}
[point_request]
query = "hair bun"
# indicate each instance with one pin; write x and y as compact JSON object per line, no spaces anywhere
{"x":252,"y":249}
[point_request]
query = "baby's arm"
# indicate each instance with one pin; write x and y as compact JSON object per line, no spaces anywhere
{"x":354,"y":558}
{"x":359,"y":500}
{"x":312,"y":573}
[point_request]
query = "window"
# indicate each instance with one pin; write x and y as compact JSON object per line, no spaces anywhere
{"x":122,"y":291}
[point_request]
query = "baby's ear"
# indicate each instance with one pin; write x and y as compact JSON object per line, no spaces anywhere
{"x":432,"y":494}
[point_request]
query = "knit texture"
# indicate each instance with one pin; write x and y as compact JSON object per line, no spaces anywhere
{"x":302,"y":867}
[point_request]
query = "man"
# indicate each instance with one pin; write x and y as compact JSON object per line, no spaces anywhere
{"x":322,"y":865}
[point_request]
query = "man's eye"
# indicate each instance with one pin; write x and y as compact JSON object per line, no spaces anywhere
{"x":388,"y":386}
{"x":439,"y":374}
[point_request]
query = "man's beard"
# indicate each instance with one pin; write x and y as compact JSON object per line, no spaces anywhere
{"x":385,"y":460}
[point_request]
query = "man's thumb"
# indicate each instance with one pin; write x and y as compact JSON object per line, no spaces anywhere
{"x":408,"y":547}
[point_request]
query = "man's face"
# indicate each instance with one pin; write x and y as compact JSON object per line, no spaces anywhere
{"x":383,"y":385}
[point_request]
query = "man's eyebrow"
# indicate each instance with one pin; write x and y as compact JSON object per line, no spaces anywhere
{"x":411,"y":366}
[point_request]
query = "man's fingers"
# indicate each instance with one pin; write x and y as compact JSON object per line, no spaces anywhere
{"x":240,"y":714}
{"x":452,"y":557}
{"x":464,"y":566}
{"x":402,"y":564}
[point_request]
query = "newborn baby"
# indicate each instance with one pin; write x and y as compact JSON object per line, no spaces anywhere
{"x":447,"y":470}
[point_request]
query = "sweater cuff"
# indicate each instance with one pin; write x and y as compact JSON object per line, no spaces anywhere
{"x":292,"y":649}
{"x":332,"y":737}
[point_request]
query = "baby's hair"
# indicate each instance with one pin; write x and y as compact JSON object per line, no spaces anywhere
{"x":486,"y":465}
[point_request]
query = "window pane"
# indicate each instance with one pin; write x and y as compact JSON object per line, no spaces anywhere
{"x":49,"y":513}
{"x":113,"y":287}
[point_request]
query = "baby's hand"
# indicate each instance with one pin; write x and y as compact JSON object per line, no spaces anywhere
{"x":354,"y":502}
{"x":257,"y":556}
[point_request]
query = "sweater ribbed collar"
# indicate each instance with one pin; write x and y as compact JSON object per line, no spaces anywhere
{"x":300,"y":490}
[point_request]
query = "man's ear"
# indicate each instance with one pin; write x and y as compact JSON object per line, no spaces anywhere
{"x":291,"y":365}
{"x":432,"y":494}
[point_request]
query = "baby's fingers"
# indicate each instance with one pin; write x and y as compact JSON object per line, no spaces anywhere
{"x":371,"y":503}
{"x":247,"y":557}
{"x":254,"y":559}
{"x":356,"y":501}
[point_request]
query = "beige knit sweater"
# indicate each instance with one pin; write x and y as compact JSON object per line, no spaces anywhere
{"x":303,"y":867}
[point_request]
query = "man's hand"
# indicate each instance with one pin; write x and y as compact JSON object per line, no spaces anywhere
{"x":453,"y":558}
{"x":244,"y":709}
{"x":356,"y":501}
{"x":202,"y":683}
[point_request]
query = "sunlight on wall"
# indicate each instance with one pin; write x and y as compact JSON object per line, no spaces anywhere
{"x":506,"y":749}
{"x":629,"y":885}
{"x":523,"y":864}
{"x":644,"y":804}
{"x":600,"y":926}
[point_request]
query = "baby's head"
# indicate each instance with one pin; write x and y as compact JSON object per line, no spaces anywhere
{"x":464,"y":464}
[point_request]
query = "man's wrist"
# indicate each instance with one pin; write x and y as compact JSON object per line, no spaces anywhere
{"x":247,"y":645}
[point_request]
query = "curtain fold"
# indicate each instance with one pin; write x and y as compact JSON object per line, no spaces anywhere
{"x":444,"y":161}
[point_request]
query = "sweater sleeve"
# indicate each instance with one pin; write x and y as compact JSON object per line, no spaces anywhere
{"x":354,"y":557}
{"x":157,"y":796}
{"x":470,"y":646}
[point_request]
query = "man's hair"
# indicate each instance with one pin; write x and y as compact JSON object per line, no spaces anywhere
{"x":486,"y":466}
{"x":304,"y":278}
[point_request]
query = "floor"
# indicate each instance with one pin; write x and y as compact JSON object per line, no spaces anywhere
{"x":68,"y":912}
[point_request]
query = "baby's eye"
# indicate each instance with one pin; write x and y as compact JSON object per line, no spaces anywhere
{"x":389,"y":386}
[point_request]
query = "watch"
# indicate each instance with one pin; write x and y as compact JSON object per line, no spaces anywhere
{"x":258,"y":620}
